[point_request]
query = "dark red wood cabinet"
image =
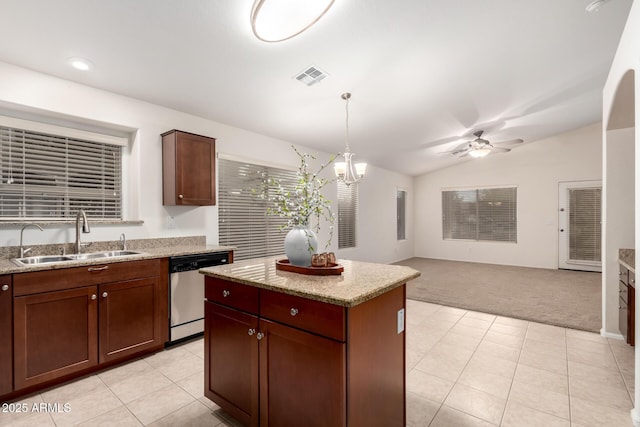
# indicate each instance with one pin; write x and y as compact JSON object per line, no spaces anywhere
{"x":6,"y":335}
{"x":188,"y":169}
{"x":273,"y":359}
{"x":626,"y":305}
{"x":68,"y":321}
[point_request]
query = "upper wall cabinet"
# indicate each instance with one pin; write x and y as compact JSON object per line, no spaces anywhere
{"x":188,"y":169}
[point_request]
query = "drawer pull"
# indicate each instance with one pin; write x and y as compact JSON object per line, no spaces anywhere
{"x":106,"y":267}
{"x":5,"y":287}
{"x":104,"y":295}
{"x":225,"y":293}
{"x":94,"y":297}
{"x":251,"y":331}
{"x":180,"y":196}
{"x":294,"y":311}
{"x":260,"y":335}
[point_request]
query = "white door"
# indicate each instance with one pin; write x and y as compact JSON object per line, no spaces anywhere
{"x":579,"y":225}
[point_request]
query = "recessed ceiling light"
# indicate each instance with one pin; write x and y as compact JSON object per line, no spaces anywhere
{"x":80,"y":64}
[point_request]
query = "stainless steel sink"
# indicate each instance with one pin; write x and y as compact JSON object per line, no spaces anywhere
{"x":44,"y":259}
{"x":107,"y":254}
{"x":52,"y":259}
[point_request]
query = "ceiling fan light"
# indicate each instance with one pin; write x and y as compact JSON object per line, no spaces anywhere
{"x":479,"y":152}
{"x":279,"y":20}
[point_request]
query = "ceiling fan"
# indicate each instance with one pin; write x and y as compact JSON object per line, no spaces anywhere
{"x":480,"y":147}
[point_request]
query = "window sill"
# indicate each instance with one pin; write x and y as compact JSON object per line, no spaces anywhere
{"x":54,"y":223}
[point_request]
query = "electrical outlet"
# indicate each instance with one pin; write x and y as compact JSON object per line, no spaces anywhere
{"x":400,"y":320}
{"x":171,"y":222}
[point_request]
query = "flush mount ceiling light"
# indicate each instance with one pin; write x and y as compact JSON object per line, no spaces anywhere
{"x":278,"y":20}
{"x":80,"y":64}
{"x":594,"y":6}
{"x":346,"y":171}
{"x":479,"y":152}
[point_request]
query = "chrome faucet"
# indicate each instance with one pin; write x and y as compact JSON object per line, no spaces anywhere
{"x":123,"y":242}
{"x":81,"y":215}
{"x":23,"y":251}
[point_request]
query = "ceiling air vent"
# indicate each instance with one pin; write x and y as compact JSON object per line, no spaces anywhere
{"x":311,"y":75}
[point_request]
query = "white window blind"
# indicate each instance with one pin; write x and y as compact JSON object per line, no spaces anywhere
{"x":584,"y":224}
{"x":242,"y":207}
{"x":480,"y":214}
{"x":401,"y":197}
{"x":49,"y":176}
{"x":347,"y":214}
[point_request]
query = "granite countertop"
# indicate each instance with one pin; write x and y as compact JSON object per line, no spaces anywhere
{"x":627,"y":257}
{"x":162,"y":248}
{"x":360,"y":281}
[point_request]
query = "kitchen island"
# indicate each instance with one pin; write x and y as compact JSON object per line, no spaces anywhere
{"x":287,"y":349}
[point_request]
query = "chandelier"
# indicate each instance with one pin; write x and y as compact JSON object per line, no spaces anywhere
{"x":346,"y":171}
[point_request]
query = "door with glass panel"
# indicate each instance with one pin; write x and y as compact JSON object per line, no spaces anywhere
{"x":579,"y":223}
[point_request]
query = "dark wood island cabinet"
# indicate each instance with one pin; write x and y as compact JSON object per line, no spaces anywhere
{"x":283,"y":349}
{"x":626,"y":304}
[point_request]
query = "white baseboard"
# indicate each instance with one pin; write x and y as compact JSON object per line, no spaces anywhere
{"x":635,"y":417}
{"x":611,"y":335}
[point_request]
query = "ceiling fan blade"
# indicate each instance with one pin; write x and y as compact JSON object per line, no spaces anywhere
{"x":500,"y":150}
{"x":510,"y":141}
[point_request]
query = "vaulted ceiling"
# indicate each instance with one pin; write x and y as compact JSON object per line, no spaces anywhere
{"x":424,"y":74}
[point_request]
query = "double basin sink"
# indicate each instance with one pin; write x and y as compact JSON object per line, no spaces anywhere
{"x":51,"y":259}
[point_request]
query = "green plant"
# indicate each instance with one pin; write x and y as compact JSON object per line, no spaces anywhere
{"x":304,"y":201}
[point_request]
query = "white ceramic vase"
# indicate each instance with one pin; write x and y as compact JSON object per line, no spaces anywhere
{"x":299,"y":245}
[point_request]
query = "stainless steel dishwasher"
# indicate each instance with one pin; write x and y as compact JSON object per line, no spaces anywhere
{"x":186,"y":293}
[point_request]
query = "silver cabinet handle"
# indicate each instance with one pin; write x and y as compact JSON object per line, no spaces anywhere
{"x":225,"y":293}
{"x":180,"y":196}
{"x":5,"y":287}
{"x":94,"y":297}
{"x":104,"y":295}
{"x":251,"y":331}
{"x":105,"y":267}
{"x":260,"y":336}
{"x":294,"y":311}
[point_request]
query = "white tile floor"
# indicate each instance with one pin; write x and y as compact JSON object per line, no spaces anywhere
{"x":464,"y":368}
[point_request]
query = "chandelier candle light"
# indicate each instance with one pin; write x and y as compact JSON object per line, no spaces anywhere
{"x":346,"y":171}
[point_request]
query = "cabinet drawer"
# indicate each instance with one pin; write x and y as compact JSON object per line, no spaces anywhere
{"x":314,"y":316}
{"x":624,"y":274}
{"x":623,"y":291}
{"x":73,"y":277}
{"x":231,"y":294}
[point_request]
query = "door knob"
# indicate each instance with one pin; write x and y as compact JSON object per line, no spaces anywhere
{"x":94,"y":296}
{"x":104,"y":294}
{"x":180,"y":196}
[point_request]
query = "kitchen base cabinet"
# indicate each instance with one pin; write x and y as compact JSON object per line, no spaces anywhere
{"x":626,"y":305}
{"x":302,"y":378}
{"x":231,"y":361}
{"x":129,"y":318}
{"x":6,"y":335}
{"x":55,"y":335}
{"x":318,"y":364}
{"x":70,"y":321}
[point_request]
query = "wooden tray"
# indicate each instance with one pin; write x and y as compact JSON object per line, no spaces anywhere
{"x":330,"y":270}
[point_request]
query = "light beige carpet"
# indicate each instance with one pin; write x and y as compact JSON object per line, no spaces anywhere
{"x":558,"y":297}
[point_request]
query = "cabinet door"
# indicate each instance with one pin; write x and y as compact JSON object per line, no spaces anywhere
{"x":631,"y":316}
{"x":129,"y":318}
{"x":231,"y":361}
{"x":6,"y":335}
{"x":302,"y":378}
{"x":188,"y":163}
{"x":55,"y":334}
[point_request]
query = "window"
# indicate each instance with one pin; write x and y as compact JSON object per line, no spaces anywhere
{"x":347,"y":214}
{"x":401,"y":214}
{"x":480,"y":214}
{"x":50,"y":172}
{"x":242,"y":208}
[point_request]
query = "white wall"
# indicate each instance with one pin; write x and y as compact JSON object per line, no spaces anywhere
{"x":30,"y":93}
{"x":627,"y":58}
{"x":618,"y":217}
{"x":536,"y":169}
